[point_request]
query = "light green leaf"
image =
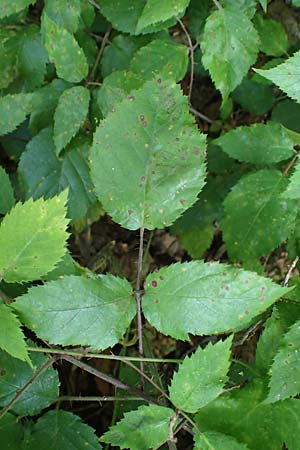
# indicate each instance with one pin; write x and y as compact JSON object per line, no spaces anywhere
{"x":286,"y":76}
{"x":147,"y":427}
{"x":205,"y":298}
{"x":156,"y":11}
{"x":57,"y":313}
{"x":264,"y":4}
{"x":9,"y":7}
{"x":201,"y":378}
{"x":212,"y":440}
{"x":32,"y":239}
{"x":272,"y":35}
{"x":70,"y":115}
{"x":153,"y":133}
{"x":11,"y":432}
{"x":8,"y":56}
{"x":248,"y":7}
{"x":7,"y":199}
{"x":64,"y":13}
{"x":259,"y":143}
{"x":52,"y":175}
{"x":11,"y":336}
{"x":293,"y":189}
{"x":64,"y":51}
{"x":15,"y":374}
{"x":13,"y":110}
{"x":61,"y":430}
{"x":296,"y":3}
{"x":252,"y":229}
{"x":229,"y":57}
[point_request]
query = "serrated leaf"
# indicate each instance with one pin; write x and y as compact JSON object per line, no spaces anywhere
{"x":64,"y":13}
{"x":272,"y":35}
{"x":293,"y":189}
{"x":7,"y":198}
{"x":264,"y":4}
{"x":258,"y":143}
{"x":52,"y":174}
{"x":9,"y":7}
{"x":64,"y":51}
{"x":287,"y":112}
{"x":13,"y":110}
{"x":11,"y":432}
{"x":252,"y":229}
{"x":201,"y":378}
{"x":256,"y":98}
{"x":15,"y":374}
{"x":32,"y":239}
{"x":11,"y":337}
{"x":147,"y":427}
{"x":229,"y":57}
{"x":248,"y":7}
{"x":56,"y":311}
{"x":8,"y":68}
{"x":212,"y":440}
{"x":286,"y":76}
{"x":156,"y":11}
{"x":205,"y":298}
{"x":61,"y":430}
{"x":166,"y":176}
{"x":67,"y":118}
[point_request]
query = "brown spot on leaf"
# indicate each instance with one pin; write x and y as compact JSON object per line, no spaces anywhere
{"x":154,"y":283}
{"x":143,"y":121}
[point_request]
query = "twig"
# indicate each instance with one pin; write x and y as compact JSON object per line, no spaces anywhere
{"x":26,"y":386}
{"x":205,"y":118}
{"x":218,"y":5}
{"x":289,"y":273}
{"x":290,"y":165}
{"x":138,"y":297}
{"x":92,"y":2}
{"x":191,"y":49}
{"x":99,"y":56}
{"x":7,"y":300}
{"x":74,"y":398}
{"x":171,"y":438}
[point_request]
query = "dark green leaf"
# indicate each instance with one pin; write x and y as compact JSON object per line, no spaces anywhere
{"x":256,"y":98}
{"x":13,"y":110}
{"x":9,"y":7}
{"x":11,"y":336}
{"x":273,"y":37}
{"x":287,"y":112}
{"x":11,"y":433}
{"x":64,"y":13}
{"x":7,"y":199}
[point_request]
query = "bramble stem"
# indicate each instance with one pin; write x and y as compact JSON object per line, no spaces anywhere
{"x":191,"y":49}
{"x":138,"y":297}
{"x":218,"y":4}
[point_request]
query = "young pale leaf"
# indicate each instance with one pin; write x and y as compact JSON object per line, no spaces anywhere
{"x":61,"y":430}
{"x":259,"y":143}
{"x":201,"y":378}
{"x":64,"y":13}
{"x":9,"y":7}
{"x":293,"y":189}
{"x":145,"y":428}
{"x":252,"y":229}
{"x":67,"y":118}
{"x":285,"y":370}
{"x":13,"y":110}
{"x":11,"y":336}
{"x":156,"y":11}
{"x":64,"y":51}
{"x":57,"y":313}
{"x":205,"y":298}
{"x":229,"y":57}
{"x":11,"y":432}
{"x":15,"y":374}
{"x":273,"y":37}
{"x":151,"y":138}
{"x":212,"y":440}
{"x":7,"y":198}
{"x":32,"y":239}
{"x":286,"y":76}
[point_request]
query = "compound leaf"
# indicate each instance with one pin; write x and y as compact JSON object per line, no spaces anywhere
{"x":205,"y":298}
{"x":212,"y":440}
{"x":67,"y":118}
{"x":9,"y":7}
{"x":32,"y":239}
{"x":56,"y":311}
{"x":153,"y":133}
{"x":7,"y":198}
{"x":229,"y":57}
{"x":11,"y":337}
{"x":201,"y":378}
{"x":13,"y":110}
{"x":147,"y":427}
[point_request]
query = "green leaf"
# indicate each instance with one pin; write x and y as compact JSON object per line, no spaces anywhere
{"x":13,"y":110}
{"x":11,"y":336}
{"x":156,"y":11}
{"x":147,"y":427}
{"x":61,"y":430}
{"x":67,"y":118}
{"x":287,"y":113}
{"x":64,"y":13}
{"x":9,"y":7}
{"x":197,"y":14}
{"x":15,"y":374}
{"x":57,"y":313}
{"x":201,"y":378}
{"x":11,"y":432}
{"x":272,"y":35}
{"x":52,"y":174}
{"x":258,"y":144}
{"x":32,"y":239}
{"x":256,"y":98}
{"x":245,"y":221}
{"x":211,"y":440}
{"x":153,"y":123}
{"x":264,"y":4}
{"x":286,"y":76}
{"x":229,"y":57}
{"x":293,"y":189}
{"x":248,"y":7}
{"x":64,"y":51}
{"x":8,"y":55}
{"x":7,"y":199}
{"x":67,"y":266}
{"x":205,"y":298}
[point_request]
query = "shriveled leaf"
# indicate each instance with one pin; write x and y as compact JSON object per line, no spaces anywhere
{"x":61,"y":430}
{"x":252,"y":229}
{"x":64,"y":51}
{"x":32,"y":239}
{"x":15,"y":374}
{"x":201,"y":378}
{"x":9,"y":7}
{"x":229,"y":57}
{"x":11,"y":432}
{"x":13,"y":110}
{"x":153,"y":133}
{"x":293,"y":189}
{"x":79,"y":311}
{"x":272,"y":35}
{"x":70,"y":115}
{"x":156,"y":11}
{"x":259,"y":143}
{"x":64,"y":13}
{"x":7,"y":198}
{"x":11,"y":337}
{"x":147,"y":427}
{"x":212,"y":440}
{"x":205,"y":298}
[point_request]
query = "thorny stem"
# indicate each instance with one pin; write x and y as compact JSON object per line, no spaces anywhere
{"x":99,"y":56}
{"x":218,"y":5}
{"x":26,"y":386}
{"x":191,"y":48}
{"x":138,"y":297}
